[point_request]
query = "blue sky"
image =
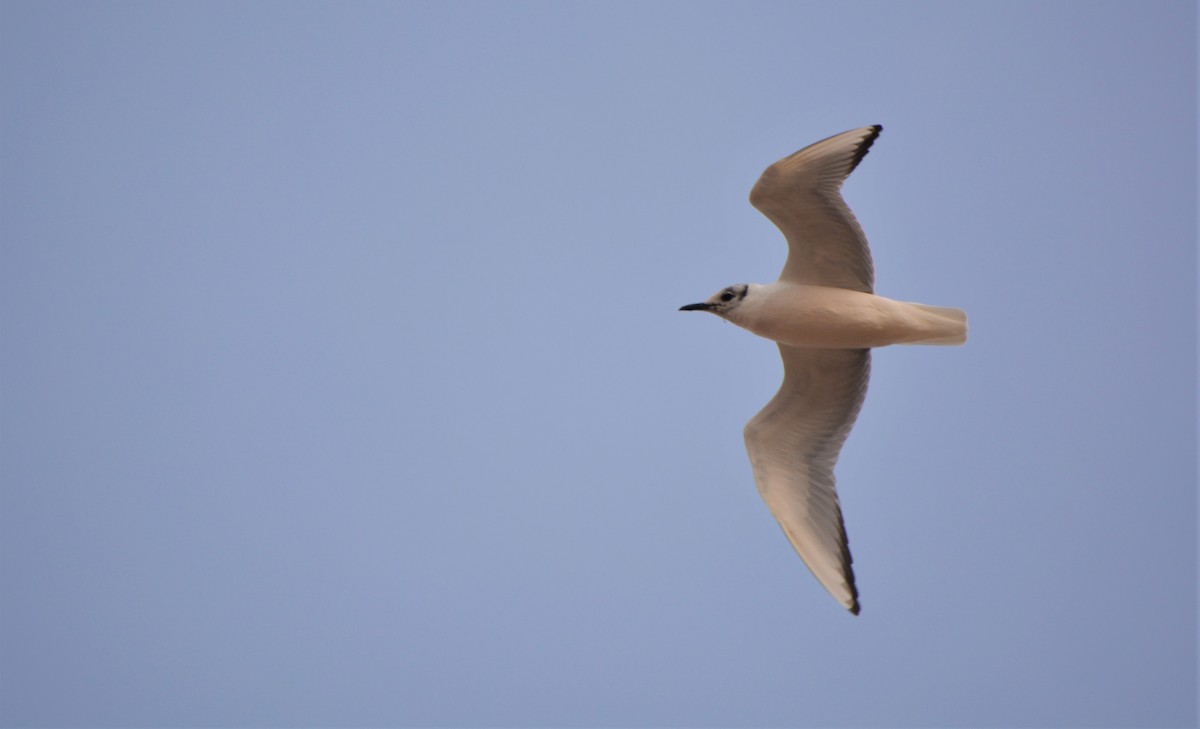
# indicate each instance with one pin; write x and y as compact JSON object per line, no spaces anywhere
{"x":343,"y":382}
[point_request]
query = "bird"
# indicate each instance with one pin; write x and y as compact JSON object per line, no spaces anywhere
{"x":826,"y":318}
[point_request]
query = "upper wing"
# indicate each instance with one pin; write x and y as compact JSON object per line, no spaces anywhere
{"x":793,"y":444}
{"x":801,"y":194}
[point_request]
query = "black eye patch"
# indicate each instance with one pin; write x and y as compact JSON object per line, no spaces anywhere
{"x":727,"y":296}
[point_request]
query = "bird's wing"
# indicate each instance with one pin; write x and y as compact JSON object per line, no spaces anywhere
{"x":793,"y":444}
{"x":801,"y":194}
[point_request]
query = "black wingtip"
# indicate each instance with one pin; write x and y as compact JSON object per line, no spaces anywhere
{"x":855,"y":608}
{"x":865,"y":145}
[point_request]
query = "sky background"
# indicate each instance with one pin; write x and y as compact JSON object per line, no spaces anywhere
{"x":343,"y":382}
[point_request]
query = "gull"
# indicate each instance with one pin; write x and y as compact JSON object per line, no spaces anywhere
{"x":826,"y":318}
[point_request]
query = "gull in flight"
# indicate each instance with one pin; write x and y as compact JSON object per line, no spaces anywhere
{"x":825,"y":316}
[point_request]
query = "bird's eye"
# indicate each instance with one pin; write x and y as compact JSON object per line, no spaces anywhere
{"x":727,"y":296}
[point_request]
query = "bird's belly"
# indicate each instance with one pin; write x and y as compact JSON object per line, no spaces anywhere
{"x":834,"y":318}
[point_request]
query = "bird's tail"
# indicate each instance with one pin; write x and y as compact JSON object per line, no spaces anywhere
{"x":949,"y":325}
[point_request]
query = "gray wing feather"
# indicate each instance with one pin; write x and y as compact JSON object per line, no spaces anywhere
{"x":793,"y":445}
{"x":801,"y":194}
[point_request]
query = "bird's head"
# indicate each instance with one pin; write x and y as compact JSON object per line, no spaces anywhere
{"x":723,"y":303}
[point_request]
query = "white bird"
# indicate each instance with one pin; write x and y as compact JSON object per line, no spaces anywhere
{"x":825,"y":317}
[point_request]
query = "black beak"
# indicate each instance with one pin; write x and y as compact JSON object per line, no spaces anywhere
{"x":696,"y":307}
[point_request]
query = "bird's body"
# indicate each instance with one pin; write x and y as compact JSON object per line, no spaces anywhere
{"x":826,"y":318}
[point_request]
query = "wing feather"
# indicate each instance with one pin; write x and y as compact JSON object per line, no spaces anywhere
{"x":801,"y":194}
{"x":793,"y":445}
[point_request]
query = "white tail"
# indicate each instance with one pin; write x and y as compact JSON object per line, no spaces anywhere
{"x":951,"y":323}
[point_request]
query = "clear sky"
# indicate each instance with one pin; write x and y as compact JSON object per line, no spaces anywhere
{"x":343,"y":382}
